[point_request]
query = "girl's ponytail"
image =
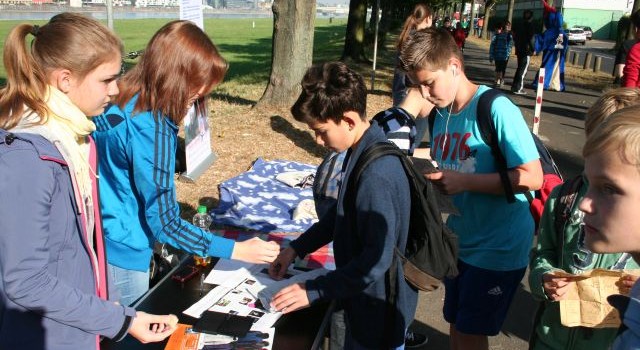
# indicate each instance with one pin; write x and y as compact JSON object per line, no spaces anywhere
{"x":26,"y":82}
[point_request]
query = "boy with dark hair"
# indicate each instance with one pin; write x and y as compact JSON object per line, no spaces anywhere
{"x":494,"y":236}
{"x":333,"y":104}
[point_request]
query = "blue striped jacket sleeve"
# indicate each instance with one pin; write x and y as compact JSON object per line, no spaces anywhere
{"x":152,"y":154}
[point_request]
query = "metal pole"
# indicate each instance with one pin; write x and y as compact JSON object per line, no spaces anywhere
{"x":375,"y":46}
{"x":109,"y":4}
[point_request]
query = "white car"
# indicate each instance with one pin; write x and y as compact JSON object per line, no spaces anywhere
{"x":576,"y":36}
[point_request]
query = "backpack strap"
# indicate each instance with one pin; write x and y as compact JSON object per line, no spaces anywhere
{"x":567,"y":196}
{"x":490,"y":137}
{"x":372,"y":153}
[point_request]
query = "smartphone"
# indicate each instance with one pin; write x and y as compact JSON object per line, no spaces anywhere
{"x":185,"y":273}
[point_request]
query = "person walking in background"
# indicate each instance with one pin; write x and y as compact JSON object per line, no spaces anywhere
{"x":560,"y":247}
{"x":137,"y":138}
{"x":480,"y":26}
{"x":53,"y":275}
{"x":460,"y":36}
{"x":631,"y":71}
{"x":499,"y":51}
{"x":494,"y":235}
{"x":523,"y":39}
{"x":553,"y":44}
{"x":446,"y":25}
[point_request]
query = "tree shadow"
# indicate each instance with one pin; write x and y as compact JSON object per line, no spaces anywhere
{"x":565,"y":112}
{"x":232,"y":99}
{"x":516,"y":323}
{"x":300,"y":138}
{"x":576,"y":111}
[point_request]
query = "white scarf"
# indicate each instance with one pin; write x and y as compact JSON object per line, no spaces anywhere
{"x":67,"y":127}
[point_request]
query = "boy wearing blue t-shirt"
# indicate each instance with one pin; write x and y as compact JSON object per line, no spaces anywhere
{"x":495,"y":236}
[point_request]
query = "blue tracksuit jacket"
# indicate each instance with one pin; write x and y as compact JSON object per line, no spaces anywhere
{"x":136,"y":154}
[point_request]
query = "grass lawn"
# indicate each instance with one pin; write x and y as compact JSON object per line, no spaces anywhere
{"x":246,"y":47}
{"x":240,"y":133}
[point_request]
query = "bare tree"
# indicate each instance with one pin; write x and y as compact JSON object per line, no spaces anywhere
{"x":292,"y":50}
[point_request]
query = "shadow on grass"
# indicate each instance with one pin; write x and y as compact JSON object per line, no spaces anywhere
{"x":300,"y":138}
{"x":232,"y":99}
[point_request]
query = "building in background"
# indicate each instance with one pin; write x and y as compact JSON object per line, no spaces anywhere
{"x":601,"y":16}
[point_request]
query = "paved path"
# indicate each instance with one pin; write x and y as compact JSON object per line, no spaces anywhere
{"x":562,"y":129}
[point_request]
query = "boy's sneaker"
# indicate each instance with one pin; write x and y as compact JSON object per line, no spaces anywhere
{"x":520,"y":92}
{"x":414,"y":340}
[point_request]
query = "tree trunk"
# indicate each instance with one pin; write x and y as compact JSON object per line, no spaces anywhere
{"x":385,"y":22}
{"x":473,"y":16}
{"x":631,"y":29}
{"x":354,"y":39}
{"x":510,"y":11}
{"x":292,"y":50}
{"x":374,"y":13}
{"x":487,"y":16}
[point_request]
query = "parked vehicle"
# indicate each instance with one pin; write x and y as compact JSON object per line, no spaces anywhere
{"x":576,"y":36}
{"x":587,"y":31}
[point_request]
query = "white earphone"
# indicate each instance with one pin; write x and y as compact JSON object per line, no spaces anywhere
{"x":454,"y":70}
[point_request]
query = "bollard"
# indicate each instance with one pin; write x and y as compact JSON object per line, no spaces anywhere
{"x":576,"y":58}
{"x":538,"y":107}
{"x":587,"y":60}
{"x":597,"y":63}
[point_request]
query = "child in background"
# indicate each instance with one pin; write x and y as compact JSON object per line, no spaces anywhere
{"x":53,"y":273}
{"x":460,"y":36}
{"x":399,"y":123}
{"x":612,"y":202}
{"x":565,"y":251}
{"x":499,"y":51}
{"x":420,"y":18}
{"x":494,"y":236}
{"x":333,"y":104}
